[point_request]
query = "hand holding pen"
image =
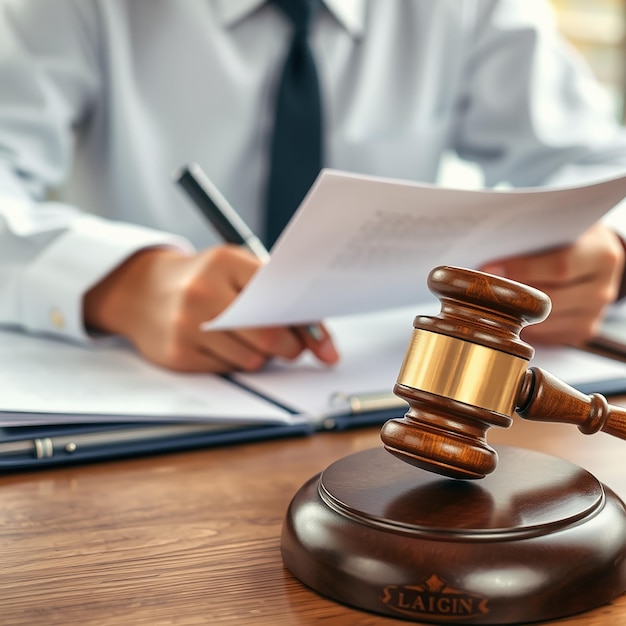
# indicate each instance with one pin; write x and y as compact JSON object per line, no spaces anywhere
{"x":159,"y":297}
{"x":231,"y":227}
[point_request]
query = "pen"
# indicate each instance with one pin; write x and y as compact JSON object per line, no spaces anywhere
{"x":359,"y":403}
{"x":226,"y":221}
{"x":48,"y":447}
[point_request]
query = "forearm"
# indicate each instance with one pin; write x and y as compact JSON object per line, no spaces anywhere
{"x":51,"y":255}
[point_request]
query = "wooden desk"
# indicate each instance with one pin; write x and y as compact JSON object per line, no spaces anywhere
{"x":193,"y":538}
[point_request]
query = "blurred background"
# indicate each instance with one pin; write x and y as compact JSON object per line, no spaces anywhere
{"x":597,"y":28}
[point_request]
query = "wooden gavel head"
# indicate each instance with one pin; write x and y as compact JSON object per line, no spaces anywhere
{"x":466,"y":369}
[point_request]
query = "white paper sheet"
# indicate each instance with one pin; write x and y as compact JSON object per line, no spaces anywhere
{"x":44,"y":381}
{"x":360,"y":244}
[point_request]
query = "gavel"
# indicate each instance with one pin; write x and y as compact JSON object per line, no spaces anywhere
{"x":466,"y":369}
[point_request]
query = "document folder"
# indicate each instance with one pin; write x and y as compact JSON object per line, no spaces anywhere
{"x":62,"y":403}
{"x":127,"y":407}
{"x":36,"y":447}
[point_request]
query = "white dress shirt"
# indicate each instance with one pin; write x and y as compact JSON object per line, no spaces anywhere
{"x":101,"y":100}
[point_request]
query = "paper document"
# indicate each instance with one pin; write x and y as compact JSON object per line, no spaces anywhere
{"x":43,"y":381}
{"x":360,"y":244}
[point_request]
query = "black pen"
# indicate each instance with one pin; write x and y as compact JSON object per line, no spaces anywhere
{"x":226,"y":221}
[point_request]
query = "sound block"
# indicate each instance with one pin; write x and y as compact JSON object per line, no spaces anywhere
{"x":538,"y":539}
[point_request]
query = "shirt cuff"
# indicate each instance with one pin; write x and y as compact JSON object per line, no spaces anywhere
{"x":52,"y":288}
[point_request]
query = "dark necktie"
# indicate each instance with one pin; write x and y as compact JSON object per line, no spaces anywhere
{"x":296,"y":145}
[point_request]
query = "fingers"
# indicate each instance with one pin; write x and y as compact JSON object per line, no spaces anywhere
{"x":597,"y":257}
{"x":190,"y":359}
{"x":282,"y":342}
{"x":227,"y":351}
{"x":249,"y":349}
{"x":575,"y":318}
{"x":159,"y":299}
{"x":318,"y":340}
{"x":581,"y":279}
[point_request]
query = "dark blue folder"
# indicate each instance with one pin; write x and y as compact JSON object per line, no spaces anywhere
{"x":36,"y":447}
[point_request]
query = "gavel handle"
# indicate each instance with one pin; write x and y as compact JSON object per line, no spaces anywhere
{"x":545,"y":398}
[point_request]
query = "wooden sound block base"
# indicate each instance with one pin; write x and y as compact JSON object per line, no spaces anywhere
{"x":540,"y":538}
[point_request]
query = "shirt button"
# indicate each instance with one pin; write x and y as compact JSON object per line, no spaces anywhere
{"x":57,"y":319}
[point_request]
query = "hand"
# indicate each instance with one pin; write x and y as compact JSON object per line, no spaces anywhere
{"x":581,"y":279}
{"x":159,"y":297}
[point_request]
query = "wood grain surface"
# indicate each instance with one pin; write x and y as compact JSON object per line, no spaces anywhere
{"x":194,"y":538}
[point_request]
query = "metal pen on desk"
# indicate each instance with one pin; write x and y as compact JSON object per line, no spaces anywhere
{"x":359,"y":403}
{"x":226,"y":221}
{"x":68,"y":444}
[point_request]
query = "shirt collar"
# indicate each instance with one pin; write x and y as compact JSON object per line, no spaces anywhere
{"x":349,"y":13}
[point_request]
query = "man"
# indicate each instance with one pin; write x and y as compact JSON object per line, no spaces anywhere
{"x":101,"y":100}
